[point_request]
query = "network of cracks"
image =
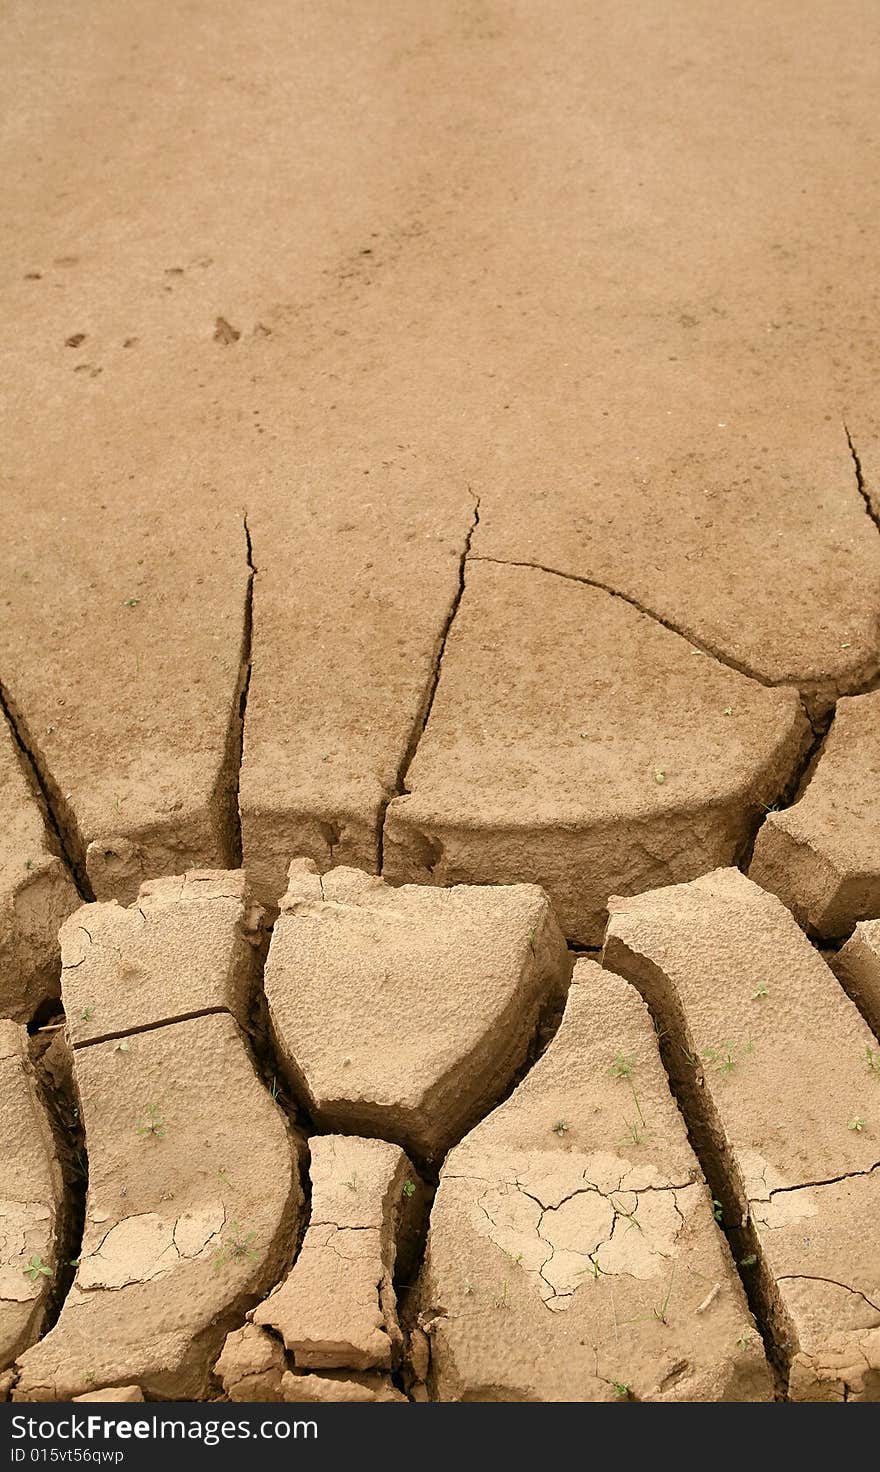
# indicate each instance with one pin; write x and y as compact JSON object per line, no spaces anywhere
{"x":406,"y":1143}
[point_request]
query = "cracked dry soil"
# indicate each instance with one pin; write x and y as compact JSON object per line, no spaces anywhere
{"x":439,"y":709}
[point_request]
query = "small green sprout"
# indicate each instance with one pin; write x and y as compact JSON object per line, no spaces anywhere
{"x":36,"y":1268}
{"x":761,"y":990}
{"x":661,"y":1313}
{"x":235,"y":1247}
{"x":659,"y":776}
{"x":728,"y":710}
{"x":724,"y":1058}
{"x":87,"y":1014}
{"x":29,"y":864}
{"x":872,"y":1058}
{"x":123,"y":1046}
{"x":504,"y":1300}
{"x":744,"y":1340}
{"x":636,"y":1133}
{"x":131,"y":602}
{"x":409,"y":1189}
{"x":717,"y":1210}
{"x":153,"y":1125}
{"x":857,"y":1124}
{"x":622,"y":1066}
{"x":561,"y":1128}
{"x":748,"y":1261}
{"x":352,"y":1182}
{"x":620,"y":1390}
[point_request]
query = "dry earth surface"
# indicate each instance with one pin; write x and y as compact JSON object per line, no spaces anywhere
{"x":439,"y":533}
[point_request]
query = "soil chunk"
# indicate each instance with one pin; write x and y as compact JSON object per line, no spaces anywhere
{"x":822,"y":854}
{"x":857,"y":967}
{"x":572,"y":1252}
{"x":194,"y":1195}
{"x":186,"y":945}
{"x":406,"y":1012}
{"x":774,"y":1066}
{"x":336,"y":1309}
{"x":36,"y":893}
{"x":30,"y":1199}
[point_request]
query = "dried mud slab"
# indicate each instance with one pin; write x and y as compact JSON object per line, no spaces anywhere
{"x":578,"y":744}
{"x":749,"y":535}
{"x":821,"y":856}
{"x":336,"y":1309}
{"x":30,"y":1199}
{"x":36,"y":893}
{"x":130,"y":671}
{"x":780,"y":1077}
{"x":406,"y":1012}
{"x":857,"y":968}
{"x":351,"y":598}
{"x":572,"y":1252}
{"x":194,"y":1195}
{"x":185,"y":946}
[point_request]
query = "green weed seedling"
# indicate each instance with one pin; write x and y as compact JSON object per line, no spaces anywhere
{"x":661,"y":1314}
{"x":636,"y":1134}
{"x":503,"y":1301}
{"x":352,"y":1181}
{"x":761,"y":990}
{"x":560,"y":1128}
{"x":872,"y":1058}
{"x":620,"y":1390}
{"x":637,"y":1129}
{"x":153,"y":1126}
{"x":235,"y":1248}
{"x":724,"y":1058}
{"x":409,"y":1189}
{"x":37,"y":1269}
{"x":857,"y":1123}
{"x":623,"y":1066}
{"x":628,"y":1216}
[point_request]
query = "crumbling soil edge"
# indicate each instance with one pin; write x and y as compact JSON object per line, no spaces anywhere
{"x":797,"y":783}
{"x":62,"y":833}
{"x":424,"y":712}
{"x":59,"y":1097}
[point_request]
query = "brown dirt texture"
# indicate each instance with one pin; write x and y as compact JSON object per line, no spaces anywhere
{"x":439,"y":701}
